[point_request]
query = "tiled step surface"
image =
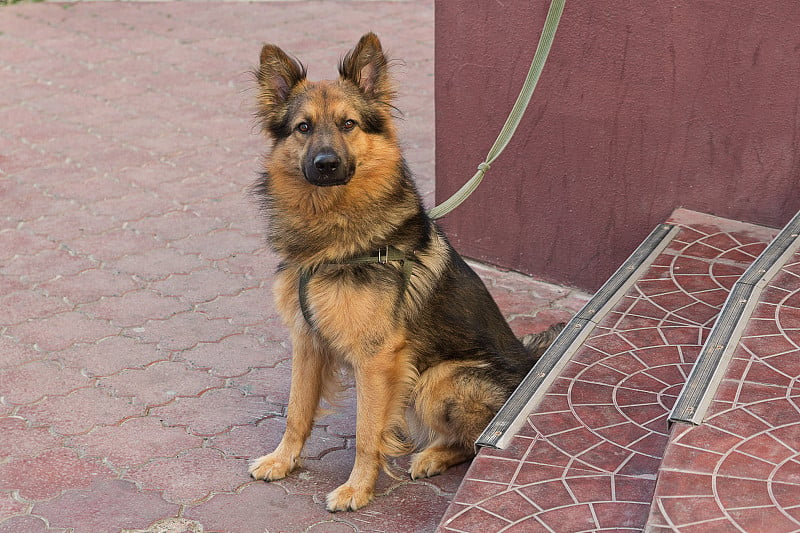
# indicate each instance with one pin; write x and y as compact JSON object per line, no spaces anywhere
{"x":740,"y":469}
{"x":589,"y":455}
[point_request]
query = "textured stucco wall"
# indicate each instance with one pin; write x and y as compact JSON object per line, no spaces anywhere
{"x":642,"y":107}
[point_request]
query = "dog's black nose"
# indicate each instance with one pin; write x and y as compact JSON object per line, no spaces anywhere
{"x":327,"y":163}
{"x":326,"y":168}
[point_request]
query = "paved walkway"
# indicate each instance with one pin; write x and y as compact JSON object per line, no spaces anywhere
{"x":141,"y":361}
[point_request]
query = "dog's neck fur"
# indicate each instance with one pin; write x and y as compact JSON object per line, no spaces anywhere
{"x":314,"y":225}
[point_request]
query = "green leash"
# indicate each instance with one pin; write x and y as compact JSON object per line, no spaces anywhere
{"x":514,"y":118}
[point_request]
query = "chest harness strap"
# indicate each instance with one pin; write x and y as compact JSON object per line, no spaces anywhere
{"x":383,"y":256}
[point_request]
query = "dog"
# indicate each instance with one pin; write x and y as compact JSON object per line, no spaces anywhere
{"x":367,"y":281}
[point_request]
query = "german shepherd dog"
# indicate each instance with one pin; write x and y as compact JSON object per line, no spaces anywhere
{"x":369,"y":282}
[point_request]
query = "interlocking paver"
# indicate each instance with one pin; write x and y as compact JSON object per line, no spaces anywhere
{"x":61,"y":331}
{"x":159,"y":383}
{"x":182,"y":331}
{"x":204,"y":285}
{"x":108,"y":505}
{"x":135,"y":308}
{"x":140,"y":347}
{"x":33,"y":381}
{"x":191,"y":476}
{"x":235,"y":355}
{"x":18,"y":440}
{"x":48,"y":474}
{"x":80,"y":411}
{"x":212,"y":412}
{"x":134,"y":442}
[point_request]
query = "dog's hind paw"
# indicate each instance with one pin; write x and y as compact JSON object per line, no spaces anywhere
{"x":348,"y":498}
{"x":271,"y":467}
{"x":436,"y":459}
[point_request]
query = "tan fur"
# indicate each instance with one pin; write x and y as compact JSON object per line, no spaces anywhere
{"x":432,"y":357}
{"x":349,"y":316}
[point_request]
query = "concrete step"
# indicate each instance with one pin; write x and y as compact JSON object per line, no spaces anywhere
{"x":595,"y":450}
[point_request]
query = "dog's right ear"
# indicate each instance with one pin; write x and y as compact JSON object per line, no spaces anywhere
{"x":277,"y":75}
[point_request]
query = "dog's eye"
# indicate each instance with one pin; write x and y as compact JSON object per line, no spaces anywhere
{"x":304,"y":127}
{"x":349,"y":124}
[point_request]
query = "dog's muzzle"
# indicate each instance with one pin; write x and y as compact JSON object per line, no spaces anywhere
{"x":325,"y":169}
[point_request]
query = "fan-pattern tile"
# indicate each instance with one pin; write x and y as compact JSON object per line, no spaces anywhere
{"x":740,"y":469}
{"x":589,"y":456}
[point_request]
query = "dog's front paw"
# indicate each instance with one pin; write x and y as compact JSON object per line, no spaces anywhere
{"x":348,"y":498}
{"x":271,"y":467}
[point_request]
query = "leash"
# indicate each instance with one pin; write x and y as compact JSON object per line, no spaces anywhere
{"x":514,"y":118}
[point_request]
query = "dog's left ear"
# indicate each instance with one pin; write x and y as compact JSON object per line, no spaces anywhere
{"x":367,"y":67}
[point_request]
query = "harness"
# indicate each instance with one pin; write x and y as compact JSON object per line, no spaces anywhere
{"x":383,"y":256}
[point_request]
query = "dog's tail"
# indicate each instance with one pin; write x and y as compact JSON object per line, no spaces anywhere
{"x":537,"y":343}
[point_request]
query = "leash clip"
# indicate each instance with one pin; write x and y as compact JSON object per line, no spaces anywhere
{"x":385,"y":258}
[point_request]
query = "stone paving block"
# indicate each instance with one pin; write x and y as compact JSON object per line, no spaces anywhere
{"x":90,"y":286}
{"x":157,"y":264}
{"x":174,"y":225}
{"x":270,"y":383}
{"x":248,"y":307}
{"x":134,"y":442}
{"x":191,"y":476}
{"x":234,"y":356}
{"x":114,"y":244}
{"x":182,"y":331}
{"x":246,"y":511}
{"x":33,"y":381}
{"x":107,"y":505}
{"x":136,"y":307}
{"x":48,"y":474}
{"x":110,"y":356}
{"x":213,"y":412}
{"x":256,"y":440}
{"x":16,"y":354}
{"x":159,"y":383}
{"x":220,"y":244}
{"x":61,"y":331}
{"x":18,"y":440}
{"x":26,"y":524}
{"x":80,"y":411}
{"x":46,"y":265}
{"x":70,"y":225}
{"x":17,"y":306}
{"x":203,"y":286}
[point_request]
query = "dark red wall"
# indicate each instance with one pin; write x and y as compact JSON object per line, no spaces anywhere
{"x":642,"y":107}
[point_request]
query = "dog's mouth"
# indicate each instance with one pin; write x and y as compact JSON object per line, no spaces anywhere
{"x":326,"y":169}
{"x":323,"y":180}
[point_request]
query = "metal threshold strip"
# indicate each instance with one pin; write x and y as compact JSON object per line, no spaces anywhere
{"x":709,"y":369}
{"x":510,"y":418}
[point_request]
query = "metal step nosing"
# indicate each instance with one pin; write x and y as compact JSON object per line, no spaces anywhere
{"x":712,"y":363}
{"x":510,"y":418}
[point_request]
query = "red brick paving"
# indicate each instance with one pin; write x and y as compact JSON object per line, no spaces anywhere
{"x":141,"y":360}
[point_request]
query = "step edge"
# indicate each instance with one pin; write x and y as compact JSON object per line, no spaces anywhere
{"x":512,"y":416}
{"x":712,"y":363}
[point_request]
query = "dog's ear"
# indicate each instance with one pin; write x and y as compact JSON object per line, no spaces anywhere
{"x":367,"y":67}
{"x":277,"y":75}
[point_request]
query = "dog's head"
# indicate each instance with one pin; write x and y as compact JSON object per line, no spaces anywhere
{"x":328,"y":127}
